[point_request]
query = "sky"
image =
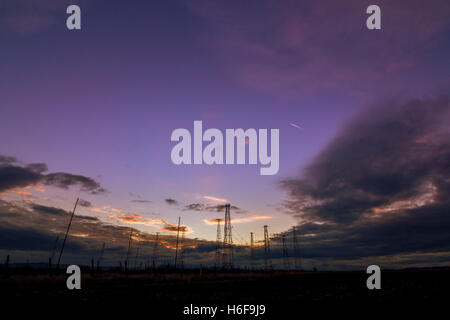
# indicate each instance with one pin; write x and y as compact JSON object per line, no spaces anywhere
{"x":363,"y":119}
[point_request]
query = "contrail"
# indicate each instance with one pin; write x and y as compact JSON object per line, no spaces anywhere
{"x":295,"y":125}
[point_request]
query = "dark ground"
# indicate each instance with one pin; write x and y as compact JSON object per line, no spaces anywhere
{"x":286,"y":295}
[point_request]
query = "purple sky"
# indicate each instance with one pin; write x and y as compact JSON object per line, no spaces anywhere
{"x":102,"y":102}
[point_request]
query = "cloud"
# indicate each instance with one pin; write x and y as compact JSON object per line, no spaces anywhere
{"x":30,"y":239}
{"x":300,"y":47}
{"x":134,"y":218}
{"x":37,"y":167}
{"x":108,"y":210}
{"x":161,"y":224}
{"x":195,"y":207}
{"x":211,"y":208}
{"x":84,"y":203}
{"x":46,"y":210}
{"x":14,"y":176}
{"x":215,"y":199}
{"x":171,"y":201}
{"x":238,"y":220}
{"x":392,"y":152}
{"x":141,"y":201}
{"x":4,"y":160}
{"x":64,"y":180}
{"x":20,"y":192}
{"x":174,"y":229}
{"x":295,"y":125}
{"x":381,"y":186}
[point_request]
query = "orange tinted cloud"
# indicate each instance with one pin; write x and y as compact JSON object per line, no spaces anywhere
{"x":132,"y":218}
{"x":37,"y":187}
{"x":137,"y":219}
{"x":107,"y":209}
{"x":20,"y":192}
{"x":162,"y":225}
{"x":174,"y":229}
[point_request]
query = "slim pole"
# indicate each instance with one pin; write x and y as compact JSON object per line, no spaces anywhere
{"x":67,"y":232}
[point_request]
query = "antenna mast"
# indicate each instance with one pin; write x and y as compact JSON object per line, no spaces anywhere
{"x":267,"y":258}
{"x":67,"y":232}
{"x":227,"y":240}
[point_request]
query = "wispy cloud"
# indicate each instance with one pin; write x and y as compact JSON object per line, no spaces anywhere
{"x":141,"y":201}
{"x":287,"y":53}
{"x":238,"y":220}
{"x":107,"y":210}
{"x":215,"y":199}
{"x":295,"y":125}
{"x":160,"y":224}
{"x":211,"y":208}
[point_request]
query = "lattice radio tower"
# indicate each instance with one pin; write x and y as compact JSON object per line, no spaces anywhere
{"x":267,"y":256}
{"x":218,"y":244}
{"x":227,"y":240}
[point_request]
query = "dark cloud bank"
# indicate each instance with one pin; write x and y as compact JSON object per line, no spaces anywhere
{"x":13,"y":175}
{"x":381,"y":187}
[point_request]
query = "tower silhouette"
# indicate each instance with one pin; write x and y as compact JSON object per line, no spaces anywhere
{"x":227,"y":240}
{"x":267,"y":256}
